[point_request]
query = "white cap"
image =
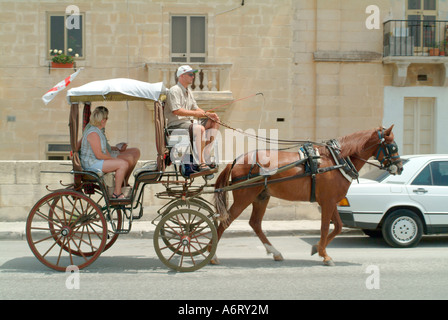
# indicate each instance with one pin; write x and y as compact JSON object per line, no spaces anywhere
{"x":184,"y":69}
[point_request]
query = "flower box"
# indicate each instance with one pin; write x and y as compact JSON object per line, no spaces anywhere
{"x":61,"y":65}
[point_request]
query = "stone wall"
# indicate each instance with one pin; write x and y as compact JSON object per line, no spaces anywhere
{"x":23,"y":183}
{"x":302,"y":55}
{"x":121,"y":40}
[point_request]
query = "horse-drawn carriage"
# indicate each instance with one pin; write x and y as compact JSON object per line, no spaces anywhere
{"x":75,"y":224}
{"x":72,"y":226}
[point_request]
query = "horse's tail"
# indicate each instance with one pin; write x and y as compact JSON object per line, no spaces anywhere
{"x":220,"y":196}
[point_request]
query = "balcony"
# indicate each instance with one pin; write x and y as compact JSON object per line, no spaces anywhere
{"x":211,"y":86}
{"x":407,"y":42}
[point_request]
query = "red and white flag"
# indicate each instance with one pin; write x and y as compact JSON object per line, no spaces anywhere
{"x":59,"y":87}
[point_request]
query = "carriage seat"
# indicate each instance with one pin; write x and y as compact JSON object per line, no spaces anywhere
{"x":150,"y":166}
{"x":94,"y":176}
{"x":148,"y":172}
{"x":176,"y":136}
{"x":108,"y":179}
{"x":178,"y":143}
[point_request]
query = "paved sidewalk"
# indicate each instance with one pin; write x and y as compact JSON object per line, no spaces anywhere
{"x":239,"y":228}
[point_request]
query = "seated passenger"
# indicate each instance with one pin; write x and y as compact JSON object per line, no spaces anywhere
{"x":121,"y":151}
{"x":94,"y":154}
{"x":181,"y":109}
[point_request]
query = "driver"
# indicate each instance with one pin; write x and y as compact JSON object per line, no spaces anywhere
{"x":181,"y":110}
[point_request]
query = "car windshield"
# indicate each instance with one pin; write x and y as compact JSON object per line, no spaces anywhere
{"x":378,"y":174}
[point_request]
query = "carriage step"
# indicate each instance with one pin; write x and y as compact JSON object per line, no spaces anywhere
{"x":124,"y":201}
{"x":203,"y":173}
{"x":122,"y":231}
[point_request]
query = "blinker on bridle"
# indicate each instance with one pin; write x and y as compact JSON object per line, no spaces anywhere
{"x":387,"y":149}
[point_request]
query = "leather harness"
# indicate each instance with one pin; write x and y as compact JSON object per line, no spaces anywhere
{"x":311,"y":163}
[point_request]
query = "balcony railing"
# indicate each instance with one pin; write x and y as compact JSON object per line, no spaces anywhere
{"x":211,"y":76}
{"x":211,"y":85}
{"x":415,"y":38}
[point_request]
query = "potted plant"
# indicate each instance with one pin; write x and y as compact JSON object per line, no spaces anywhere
{"x":434,"y":51}
{"x":443,"y":48}
{"x":61,"y":60}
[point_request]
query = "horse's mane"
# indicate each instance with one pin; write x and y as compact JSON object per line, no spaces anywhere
{"x":355,"y":142}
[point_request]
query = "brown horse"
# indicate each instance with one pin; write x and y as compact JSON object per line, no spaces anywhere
{"x":330,"y":186}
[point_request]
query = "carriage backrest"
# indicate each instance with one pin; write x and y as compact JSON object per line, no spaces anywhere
{"x":159,"y":124}
{"x":73,"y":128}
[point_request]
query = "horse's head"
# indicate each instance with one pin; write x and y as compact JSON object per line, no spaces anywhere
{"x":387,"y":153}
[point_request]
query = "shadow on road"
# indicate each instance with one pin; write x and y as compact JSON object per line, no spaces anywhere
{"x":351,"y":242}
{"x":134,"y":264}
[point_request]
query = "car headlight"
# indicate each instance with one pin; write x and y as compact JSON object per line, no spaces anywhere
{"x":344,"y":203}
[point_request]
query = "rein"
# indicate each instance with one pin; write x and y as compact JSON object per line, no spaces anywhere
{"x":265,"y":139}
{"x":255,"y":136}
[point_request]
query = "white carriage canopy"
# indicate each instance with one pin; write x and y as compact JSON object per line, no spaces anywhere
{"x":120,"y":89}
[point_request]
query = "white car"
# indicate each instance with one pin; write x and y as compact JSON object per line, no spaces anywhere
{"x":403,"y":207}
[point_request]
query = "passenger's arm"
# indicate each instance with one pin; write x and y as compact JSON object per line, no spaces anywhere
{"x":95,"y":142}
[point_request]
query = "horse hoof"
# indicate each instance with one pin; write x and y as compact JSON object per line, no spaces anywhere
{"x":314,"y":250}
{"x":329,"y":263}
{"x":278,"y":257}
{"x":214,"y":261}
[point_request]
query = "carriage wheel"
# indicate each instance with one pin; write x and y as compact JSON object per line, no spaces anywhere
{"x":193,"y":204}
{"x":115,"y":217}
{"x":185,"y":240}
{"x":66,"y":228}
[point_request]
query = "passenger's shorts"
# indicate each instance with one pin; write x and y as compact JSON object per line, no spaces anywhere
{"x":98,"y":165}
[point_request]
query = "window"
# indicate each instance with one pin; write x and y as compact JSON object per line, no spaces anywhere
{"x":66,"y":34}
{"x":421,"y":4}
{"x":422,"y":15}
{"x":58,"y":151}
{"x":434,"y":174}
{"x":440,"y":173}
{"x":188,"y":38}
{"x":424,"y":178}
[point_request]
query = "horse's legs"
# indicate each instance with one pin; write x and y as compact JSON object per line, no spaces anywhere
{"x":234,"y":212}
{"x":325,"y":238}
{"x":258,"y":211}
{"x":337,"y":222}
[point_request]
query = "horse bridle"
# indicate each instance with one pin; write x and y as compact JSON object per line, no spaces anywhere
{"x":389,"y":161}
{"x":390,"y":158}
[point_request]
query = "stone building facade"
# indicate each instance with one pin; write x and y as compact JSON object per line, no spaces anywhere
{"x":325,"y":67}
{"x":317,"y":62}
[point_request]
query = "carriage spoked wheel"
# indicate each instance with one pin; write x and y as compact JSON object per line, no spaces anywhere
{"x":195,"y":205}
{"x":185,"y":240}
{"x":66,"y":228}
{"x":114,"y":217}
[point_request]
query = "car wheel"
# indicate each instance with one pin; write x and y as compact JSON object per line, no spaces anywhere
{"x":402,"y":229}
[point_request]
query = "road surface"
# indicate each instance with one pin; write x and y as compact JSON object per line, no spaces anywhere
{"x":365,"y":269}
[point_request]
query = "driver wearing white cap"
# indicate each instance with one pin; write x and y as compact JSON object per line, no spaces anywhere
{"x":181,"y":109}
